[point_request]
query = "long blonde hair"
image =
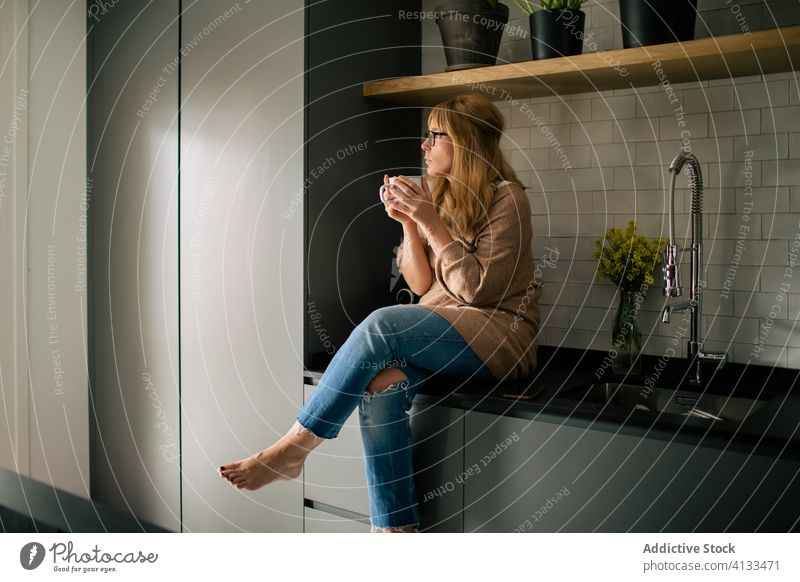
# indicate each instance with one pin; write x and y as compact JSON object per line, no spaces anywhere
{"x":463,"y":198}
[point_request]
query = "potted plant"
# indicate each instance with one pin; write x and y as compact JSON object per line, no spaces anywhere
{"x":628,"y":260}
{"x":646,"y":22}
{"x":471,"y":32}
{"x":556,"y":29}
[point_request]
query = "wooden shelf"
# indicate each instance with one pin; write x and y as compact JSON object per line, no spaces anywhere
{"x":768,"y":51}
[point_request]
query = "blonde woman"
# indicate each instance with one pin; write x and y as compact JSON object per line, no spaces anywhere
{"x":466,"y":251}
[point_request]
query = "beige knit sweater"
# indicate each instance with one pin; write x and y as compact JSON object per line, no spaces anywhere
{"x":487,"y":290}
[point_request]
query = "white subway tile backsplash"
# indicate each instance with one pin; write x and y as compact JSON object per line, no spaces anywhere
{"x":716,"y":304}
{"x":780,"y":172}
{"x":729,"y":226}
{"x":780,"y":119}
{"x":635,"y":130}
{"x":794,"y":91}
{"x":604,"y":295}
{"x":580,"y":339}
{"x":592,"y":178}
{"x":572,"y":203}
{"x":636,"y":177}
{"x":763,"y":200}
{"x":758,"y":305}
{"x":604,"y":15}
{"x":793,"y":302}
{"x":794,"y":146}
{"x":724,"y":123}
{"x":600,"y":39}
{"x":727,"y":278}
{"x":658,"y":104}
{"x":780,"y":226}
{"x":555,"y":316}
{"x":648,"y":224}
{"x":737,"y":329}
{"x":592,"y":318}
{"x":768,"y":356}
{"x":779,"y":333}
{"x":568,"y":294}
{"x":550,"y":181}
{"x":770,"y":93}
{"x":551,"y":225}
{"x":516,"y":138}
{"x":573,"y":272}
{"x":609,"y":155}
{"x":550,"y":135}
{"x":771,"y":278}
{"x":759,"y":253}
{"x":762,"y":147}
{"x":534,"y":113}
{"x":615,"y":201}
{"x":708,"y":99}
{"x":530,"y":159}
{"x":684,"y":127}
{"x":727,"y":175}
{"x":571,"y":111}
{"x":716,"y":200}
{"x":613,"y":107}
{"x":593,"y":132}
{"x":570,"y":156}
{"x":718,"y":149}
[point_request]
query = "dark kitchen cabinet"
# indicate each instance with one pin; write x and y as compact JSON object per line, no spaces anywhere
{"x":559,"y":477}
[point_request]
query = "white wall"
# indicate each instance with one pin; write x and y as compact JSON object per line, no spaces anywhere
{"x":13,"y":181}
{"x":44,"y":375}
{"x":619,"y":145}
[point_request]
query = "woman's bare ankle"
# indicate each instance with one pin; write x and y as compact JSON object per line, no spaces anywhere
{"x":401,"y":529}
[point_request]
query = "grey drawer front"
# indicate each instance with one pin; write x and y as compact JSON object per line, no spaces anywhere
{"x":334,"y":472}
{"x":317,"y":521}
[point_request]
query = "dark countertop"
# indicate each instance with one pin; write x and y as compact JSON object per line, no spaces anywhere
{"x":559,"y":392}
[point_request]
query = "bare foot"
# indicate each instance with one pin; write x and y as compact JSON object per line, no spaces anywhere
{"x":403,"y":529}
{"x":281,"y":461}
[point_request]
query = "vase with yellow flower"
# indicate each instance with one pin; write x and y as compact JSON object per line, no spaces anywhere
{"x":628,"y":260}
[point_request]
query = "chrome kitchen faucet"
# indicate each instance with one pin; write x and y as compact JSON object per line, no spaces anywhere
{"x":671,"y":269}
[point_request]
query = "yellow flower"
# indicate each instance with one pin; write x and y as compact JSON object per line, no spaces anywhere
{"x":627,"y":259}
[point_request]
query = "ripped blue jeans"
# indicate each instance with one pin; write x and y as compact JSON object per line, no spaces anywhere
{"x":419,"y":343}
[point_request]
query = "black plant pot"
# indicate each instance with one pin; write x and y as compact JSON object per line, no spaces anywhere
{"x":471,"y":32}
{"x":646,"y":22}
{"x":557,"y":33}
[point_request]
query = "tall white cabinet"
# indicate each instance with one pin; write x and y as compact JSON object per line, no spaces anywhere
{"x":196,"y":250}
{"x":241,"y":256}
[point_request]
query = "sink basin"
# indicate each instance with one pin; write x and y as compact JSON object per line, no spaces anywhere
{"x":712,"y":407}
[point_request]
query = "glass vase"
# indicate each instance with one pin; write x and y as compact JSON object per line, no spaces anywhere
{"x":626,"y":338}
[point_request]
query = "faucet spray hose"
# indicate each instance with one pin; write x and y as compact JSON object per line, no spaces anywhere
{"x":696,"y":184}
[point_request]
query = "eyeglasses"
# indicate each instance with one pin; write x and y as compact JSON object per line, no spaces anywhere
{"x":431,"y":136}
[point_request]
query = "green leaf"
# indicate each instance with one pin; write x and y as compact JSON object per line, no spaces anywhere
{"x":526,"y":6}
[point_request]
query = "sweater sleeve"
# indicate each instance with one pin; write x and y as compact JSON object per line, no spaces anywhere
{"x":401,"y":248}
{"x":481,"y":275}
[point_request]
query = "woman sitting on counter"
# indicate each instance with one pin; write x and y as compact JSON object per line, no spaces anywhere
{"x":466,"y":251}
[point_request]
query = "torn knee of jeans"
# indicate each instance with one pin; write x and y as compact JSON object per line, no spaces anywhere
{"x":402,"y":384}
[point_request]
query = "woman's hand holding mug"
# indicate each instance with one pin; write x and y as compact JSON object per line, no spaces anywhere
{"x":408,"y":200}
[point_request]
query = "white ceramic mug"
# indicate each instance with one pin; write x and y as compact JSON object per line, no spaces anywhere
{"x":382,"y":192}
